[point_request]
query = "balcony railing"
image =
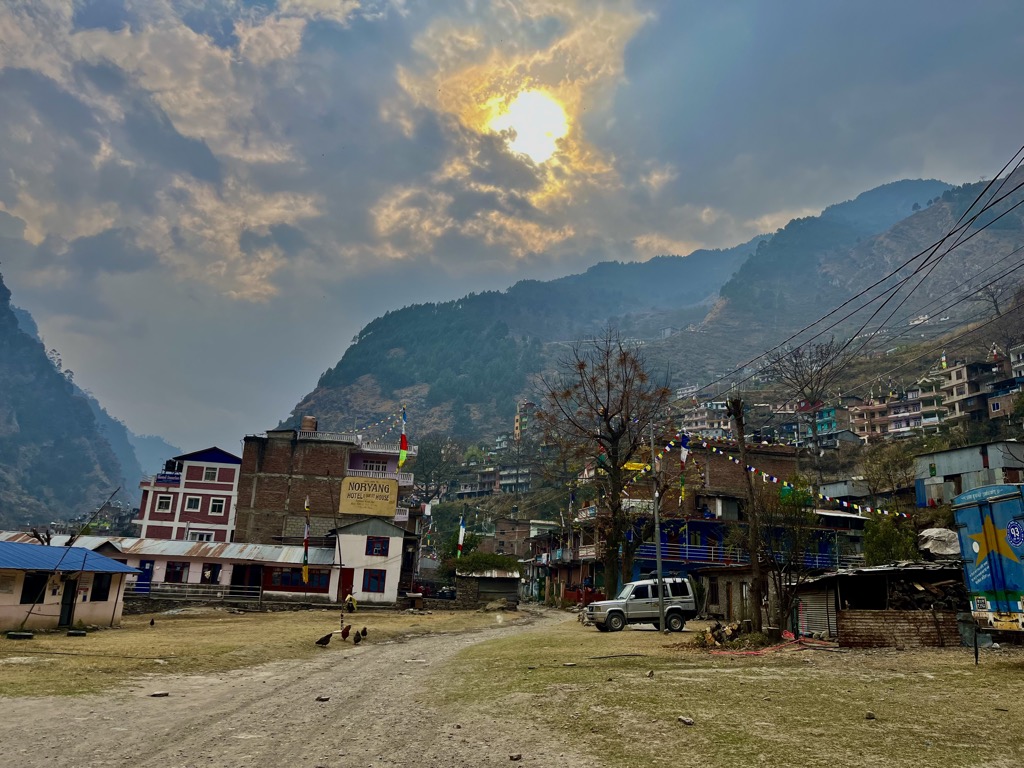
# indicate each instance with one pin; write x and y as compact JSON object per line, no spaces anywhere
{"x":380,"y":446}
{"x":685,"y":553}
{"x":334,"y":437}
{"x":403,"y":478}
{"x":198,"y":592}
{"x":368,"y":446}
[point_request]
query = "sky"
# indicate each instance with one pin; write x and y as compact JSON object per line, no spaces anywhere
{"x":203,"y":202}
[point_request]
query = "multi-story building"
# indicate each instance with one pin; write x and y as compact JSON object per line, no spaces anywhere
{"x":193,"y":499}
{"x":340,"y":475}
{"x":478,"y":481}
{"x":870,"y":419}
{"x":708,"y":419}
{"x":920,"y":408}
{"x":965,"y":388}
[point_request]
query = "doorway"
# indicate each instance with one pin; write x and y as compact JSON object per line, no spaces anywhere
{"x":67,"y":603}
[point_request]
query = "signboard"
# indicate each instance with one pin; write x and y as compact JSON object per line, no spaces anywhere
{"x":368,"y":496}
{"x":168,"y":478}
{"x":401,"y":514}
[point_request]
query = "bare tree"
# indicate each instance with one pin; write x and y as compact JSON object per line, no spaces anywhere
{"x":601,"y":400}
{"x":752,"y":511}
{"x":436,"y":465}
{"x":888,"y":467}
{"x":807,"y":374}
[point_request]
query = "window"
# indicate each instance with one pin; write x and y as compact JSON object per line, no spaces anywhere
{"x":210,"y":475}
{"x":33,"y":589}
{"x":375,"y":466}
{"x":163,"y":503}
{"x":995,"y":406}
{"x":292,"y":578}
{"x":216,"y":506}
{"x":377,"y":546}
{"x":679,"y":589}
{"x":200,"y":536}
{"x":176,"y":573}
{"x":100,"y":588}
{"x":640,"y":592}
{"x":192,"y":503}
{"x":713,"y":590}
{"x":373,"y":580}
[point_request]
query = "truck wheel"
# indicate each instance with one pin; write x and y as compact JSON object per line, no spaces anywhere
{"x":601,"y":627}
{"x":674,"y":622}
{"x":615,"y":622}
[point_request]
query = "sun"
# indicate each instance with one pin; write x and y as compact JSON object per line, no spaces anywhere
{"x":535,"y":122}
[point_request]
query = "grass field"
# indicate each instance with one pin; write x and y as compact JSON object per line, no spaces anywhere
{"x":790,"y":707}
{"x":195,"y":640}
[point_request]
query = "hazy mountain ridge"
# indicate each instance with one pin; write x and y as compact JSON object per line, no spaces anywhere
{"x":54,"y":461}
{"x":450,"y":361}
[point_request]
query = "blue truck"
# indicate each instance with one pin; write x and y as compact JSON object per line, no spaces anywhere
{"x":990,"y":525}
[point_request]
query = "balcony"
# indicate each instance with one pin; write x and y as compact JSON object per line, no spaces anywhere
{"x":367,"y":446}
{"x":380,"y":446}
{"x":404,"y":478}
{"x":685,"y":553}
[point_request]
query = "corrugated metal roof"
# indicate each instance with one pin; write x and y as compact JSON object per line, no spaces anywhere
{"x":36,"y":557}
{"x":262,"y":553}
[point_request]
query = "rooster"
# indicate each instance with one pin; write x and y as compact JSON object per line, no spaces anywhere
{"x":345,"y":630}
{"x":323,"y":641}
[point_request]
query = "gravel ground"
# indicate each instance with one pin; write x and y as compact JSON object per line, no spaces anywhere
{"x":381,"y":713}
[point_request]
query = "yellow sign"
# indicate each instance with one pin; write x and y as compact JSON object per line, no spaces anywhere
{"x":368,"y":496}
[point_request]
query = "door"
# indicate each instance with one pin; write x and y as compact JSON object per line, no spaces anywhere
{"x":728,"y":601}
{"x":145,"y":578}
{"x":640,"y":606}
{"x":347,"y":577}
{"x":67,"y":603}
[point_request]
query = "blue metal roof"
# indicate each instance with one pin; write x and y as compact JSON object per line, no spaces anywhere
{"x":214,"y":455}
{"x":36,"y":557}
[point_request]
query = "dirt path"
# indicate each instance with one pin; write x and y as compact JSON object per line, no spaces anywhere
{"x":379,"y":715}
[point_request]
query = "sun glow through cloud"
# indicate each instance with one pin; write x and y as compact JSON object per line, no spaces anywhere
{"x":534,"y":122}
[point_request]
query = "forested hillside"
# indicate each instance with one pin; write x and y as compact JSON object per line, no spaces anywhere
{"x":54,"y":462}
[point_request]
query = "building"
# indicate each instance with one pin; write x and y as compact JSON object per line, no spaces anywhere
{"x":941,"y":475}
{"x":339,"y":475}
{"x":47,"y":587}
{"x":920,"y":408}
{"x":193,"y":499}
{"x":965,"y":388}
{"x":708,"y":420}
{"x":365,"y":558}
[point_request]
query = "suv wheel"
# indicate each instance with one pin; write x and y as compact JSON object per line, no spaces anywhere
{"x":601,"y":627}
{"x":674,"y":622}
{"x":615,"y":622}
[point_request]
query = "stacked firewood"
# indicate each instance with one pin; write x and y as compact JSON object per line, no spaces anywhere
{"x":719,"y":633}
{"x":949,"y":595}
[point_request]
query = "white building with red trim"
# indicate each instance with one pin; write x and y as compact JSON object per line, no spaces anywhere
{"x":193,"y":499}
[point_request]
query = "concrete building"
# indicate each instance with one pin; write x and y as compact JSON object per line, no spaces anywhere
{"x":284,"y":469}
{"x":47,"y":587}
{"x":193,"y":499}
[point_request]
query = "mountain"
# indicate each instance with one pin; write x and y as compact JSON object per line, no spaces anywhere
{"x":462,"y":365}
{"x":152,"y":451}
{"x":54,"y":461}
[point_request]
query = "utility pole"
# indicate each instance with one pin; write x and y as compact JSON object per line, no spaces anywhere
{"x":735,"y":410}
{"x":657,"y":536}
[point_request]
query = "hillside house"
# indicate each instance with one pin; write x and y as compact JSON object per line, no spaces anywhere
{"x":47,"y":587}
{"x":193,"y":499}
{"x":941,"y":475}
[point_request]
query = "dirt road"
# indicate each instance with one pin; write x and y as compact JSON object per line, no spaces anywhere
{"x":380,"y":714}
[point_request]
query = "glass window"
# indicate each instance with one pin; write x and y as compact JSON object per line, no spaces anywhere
{"x":177,"y":572}
{"x":640,"y":592}
{"x":373,"y":580}
{"x":100,"y":588}
{"x":192,"y":503}
{"x":200,"y":536}
{"x":210,"y":474}
{"x":372,"y":465}
{"x":216,"y":506}
{"x":163,"y":503}
{"x":33,"y":590}
{"x":377,"y":546}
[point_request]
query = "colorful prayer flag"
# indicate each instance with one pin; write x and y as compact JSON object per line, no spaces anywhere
{"x":462,"y":536}
{"x":403,"y":445}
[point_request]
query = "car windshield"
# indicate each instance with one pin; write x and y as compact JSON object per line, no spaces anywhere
{"x":625,"y":592}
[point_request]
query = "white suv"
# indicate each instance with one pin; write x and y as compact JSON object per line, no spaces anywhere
{"x":637,"y":603}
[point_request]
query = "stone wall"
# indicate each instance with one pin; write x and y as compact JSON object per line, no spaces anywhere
{"x":897,"y":629}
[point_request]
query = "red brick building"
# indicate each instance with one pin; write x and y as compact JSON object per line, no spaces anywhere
{"x":283,"y":468}
{"x":193,"y":499}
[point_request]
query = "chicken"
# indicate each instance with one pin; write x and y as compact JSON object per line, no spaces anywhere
{"x":345,"y":630}
{"x":323,"y":641}
{"x":363,"y":632}
{"x":152,"y":622}
{"x":356,"y":638}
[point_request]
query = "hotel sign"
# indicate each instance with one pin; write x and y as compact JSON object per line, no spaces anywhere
{"x":368,"y":496}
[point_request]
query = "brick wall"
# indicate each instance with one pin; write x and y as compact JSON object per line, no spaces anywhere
{"x":897,"y":629}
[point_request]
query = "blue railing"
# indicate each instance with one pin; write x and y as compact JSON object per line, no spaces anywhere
{"x":717,"y":555}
